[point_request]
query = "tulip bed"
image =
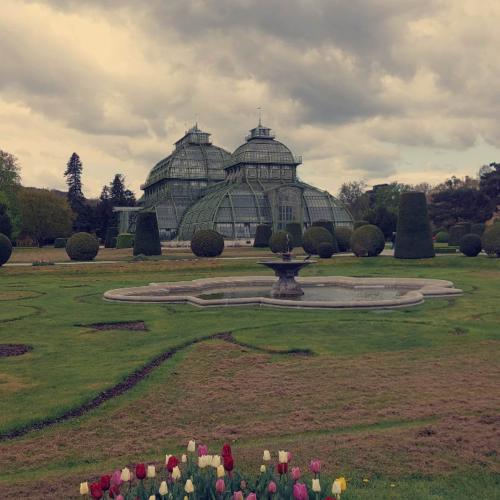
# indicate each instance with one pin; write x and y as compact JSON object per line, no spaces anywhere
{"x":203,"y":476}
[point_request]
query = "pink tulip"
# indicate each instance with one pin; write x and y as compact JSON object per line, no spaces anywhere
{"x":300,"y":491}
{"x":116,"y":478}
{"x":290,"y":456}
{"x":202,"y":450}
{"x":315,"y":466}
{"x":119,"y":497}
{"x":237,"y":495}
{"x":220,"y":486}
{"x":295,"y":473}
{"x":252,"y":496}
{"x":271,"y":487}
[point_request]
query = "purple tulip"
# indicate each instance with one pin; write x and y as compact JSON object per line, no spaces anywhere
{"x":202,"y":450}
{"x":271,"y":487}
{"x":300,"y":491}
{"x":315,"y":466}
{"x":116,"y":478}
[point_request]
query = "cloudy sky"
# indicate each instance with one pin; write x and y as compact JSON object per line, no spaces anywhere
{"x":382,"y":90}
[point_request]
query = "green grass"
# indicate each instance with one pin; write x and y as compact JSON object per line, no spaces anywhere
{"x":70,"y":364}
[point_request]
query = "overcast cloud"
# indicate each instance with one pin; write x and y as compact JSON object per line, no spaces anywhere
{"x":376,"y":89}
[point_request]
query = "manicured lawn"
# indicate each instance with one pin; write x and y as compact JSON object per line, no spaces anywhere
{"x":406,"y":397}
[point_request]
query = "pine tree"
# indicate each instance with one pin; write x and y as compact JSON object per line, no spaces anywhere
{"x":104,"y":212}
{"x":119,"y":194}
{"x":73,"y":176}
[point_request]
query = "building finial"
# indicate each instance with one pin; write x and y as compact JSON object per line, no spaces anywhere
{"x":260,"y":116}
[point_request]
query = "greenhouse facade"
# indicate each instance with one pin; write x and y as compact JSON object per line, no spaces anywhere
{"x":201,"y":186}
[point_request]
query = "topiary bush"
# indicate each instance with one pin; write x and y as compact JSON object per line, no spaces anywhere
{"x":491,"y":240}
{"x":207,"y":243}
{"x":442,"y":237}
{"x":295,"y":231}
{"x":413,"y":235}
{"x":456,"y":233}
{"x":327,"y":224}
{"x":262,"y":234}
{"x":367,"y":241}
{"x":110,"y":238}
{"x":60,"y":242}
{"x":82,"y":246}
{"x":470,"y":244}
{"x":125,"y":240}
{"x":147,"y":236}
{"x":315,"y":235}
{"x":478,"y":228}
{"x":325,"y":250}
{"x":359,"y":223}
{"x":343,"y":236}
{"x":280,"y":242}
{"x":5,"y":249}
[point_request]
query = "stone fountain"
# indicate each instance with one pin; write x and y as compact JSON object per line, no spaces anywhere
{"x":286,"y":269}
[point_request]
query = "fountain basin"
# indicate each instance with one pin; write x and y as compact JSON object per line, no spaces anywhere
{"x":340,"y":292}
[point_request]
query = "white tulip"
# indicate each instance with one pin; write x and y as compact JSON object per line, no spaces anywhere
{"x":283,"y":457}
{"x":316,"y":487}
{"x":125,"y":475}
{"x":167,"y":456}
{"x":184,"y":458}
{"x":176,"y":473}
{"x":336,"y":488}
{"x":191,"y":446}
{"x":84,"y":488}
{"x":189,"y":487}
{"x":262,"y":468}
{"x":215,"y":461}
{"x":151,"y":471}
{"x":152,"y":497}
{"x":267,"y":456}
{"x":163,"y":490}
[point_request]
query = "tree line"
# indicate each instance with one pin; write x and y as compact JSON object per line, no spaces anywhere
{"x":38,"y":216}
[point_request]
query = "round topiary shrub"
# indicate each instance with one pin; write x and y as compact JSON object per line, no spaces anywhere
{"x":367,"y":241}
{"x":207,"y":243}
{"x":413,"y":234}
{"x":359,"y":223}
{"x":343,"y":236}
{"x":478,"y":228}
{"x":327,"y":224}
{"x":60,"y":242}
{"x":147,"y":236}
{"x":125,"y":240}
{"x":110,"y":238}
{"x":315,"y":235}
{"x":281,"y":242}
{"x":82,"y":246}
{"x":442,"y":237}
{"x":295,"y":231}
{"x":491,"y":240}
{"x":262,"y":234}
{"x":325,"y":250}
{"x":470,"y":245}
{"x":456,"y":233}
{"x":5,"y":249}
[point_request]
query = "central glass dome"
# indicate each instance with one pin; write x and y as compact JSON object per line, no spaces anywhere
{"x":260,"y":187}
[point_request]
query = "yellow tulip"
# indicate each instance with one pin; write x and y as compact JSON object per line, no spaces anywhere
{"x":283,"y":457}
{"x":267,"y":456}
{"x":151,"y":471}
{"x":163,"y":490}
{"x":184,"y":458}
{"x":343,"y":484}
{"x":316,"y":487}
{"x":220,"y":471}
{"x":84,"y":488}
{"x":152,"y":497}
{"x":125,"y":475}
{"x":176,"y":473}
{"x":189,"y":486}
{"x":215,"y":461}
{"x":191,"y":446}
{"x":262,"y":468}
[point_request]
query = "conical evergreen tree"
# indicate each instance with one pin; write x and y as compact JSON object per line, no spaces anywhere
{"x":119,"y":194}
{"x":73,"y":174}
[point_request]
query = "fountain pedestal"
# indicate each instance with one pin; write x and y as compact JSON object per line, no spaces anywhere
{"x":286,"y":270}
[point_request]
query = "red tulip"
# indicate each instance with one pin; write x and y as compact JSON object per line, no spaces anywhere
{"x":282,"y":468}
{"x":114,"y":491}
{"x":105,"y":482}
{"x":172,"y":462}
{"x":226,"y":451}
{"x":96,"y":491}
{"x":228,"y":463}
{"x":140,"y":471}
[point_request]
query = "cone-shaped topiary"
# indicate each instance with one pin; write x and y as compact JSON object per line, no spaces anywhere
{"x":262,"y":235}
{"x":125,"y":240}
{"x":456,"y":233}
{"x":470,"y":244}
{"x":343,"y":236}
{"x":147,"y":236}
{"x":315,"y":235}
{"x":413,"y":235}
{"x":207,"y":243}
{"x":295,"y":230}
{"x":325,"y":250}
{"x":5,"y":249}
{"x":367,"y":241}
{"x":327,"y":224}
{"x":442,"y":237}
{"x":281,"y":242}
{"x":82,"y":246}
{"x":491,"y":240}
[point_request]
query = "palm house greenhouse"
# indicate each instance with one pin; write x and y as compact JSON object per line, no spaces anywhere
{"x":202,"y":186}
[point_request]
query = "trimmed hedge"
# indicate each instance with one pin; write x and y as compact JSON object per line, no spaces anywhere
{"x":491,"y":240}
{"x":262,"y":234}
{"x":327,"y":224}
{"x":281,"y":242}
{"x":446,"y":250}
{"x":367,"y":241}
{"x":413,"y":234}
{"x":5,"y":249}
{"x":470,"y":244}
{"x":111,"y":235}
{"x":295,"y":231}
{"x":325,"y":250}
{"x":60,"y":242}
{"x":478,"y":228}
{"x":315,"y":235}
{"x":125,"y":240}
{"x":343,"y":236}
{"x":456,"y":233}
{"x":147,"y":236}
{"x":207,"y":243}
{"x":442,"y":237}
{"x":82,"y":246}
